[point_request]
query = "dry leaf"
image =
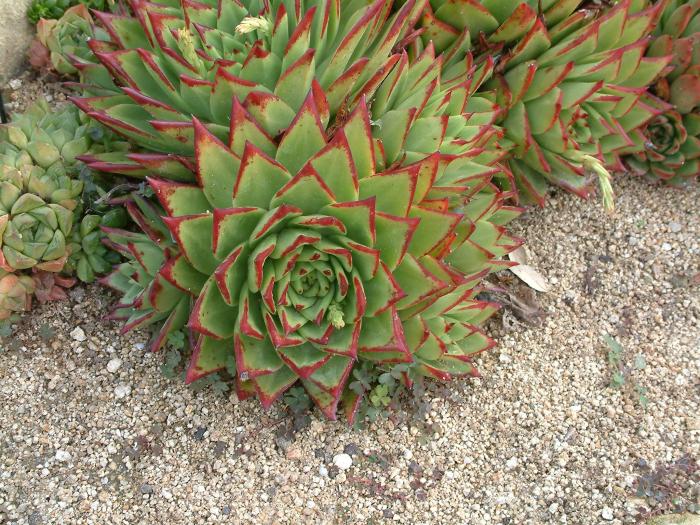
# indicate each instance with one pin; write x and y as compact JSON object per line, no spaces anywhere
{"x":527,"y":273}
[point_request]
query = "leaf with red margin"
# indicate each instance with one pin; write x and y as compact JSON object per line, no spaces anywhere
{"x":270,"y":387}
{"x":306,"y":191}
{"x":175,"y":321}
{"x":383,"y":336}
{"x":208,"y":356}
{"x":344,"y":341}
{"x":358,"y":217}
{"x":417,"y":281}
{"x":304,"y":359}
{"x":232,"y":227}
{"x":211,"y":315}
{"x":393,"y":190}
{"x":434,"y":228}
{"x":270,"y":111}
{"x":382,"y":291}
{"x":295,"y":82}
{"x":332,"y":376}
{"x":231,"y":274}
{"x":244,"y":129}
{"x":336,"y":166}
{"x":179,"y":199}
{"x":351,"y":403}
{"x":259,"y":178}
{"x":217,"y":167}
{"x":182,"y":274}
{"x":303,"y":139}
{"x":358,"y":133}
{"x":394,"y":235}
{"x":193,"y":234}
{"x":274,"y":220}
{"x":256,"y":357}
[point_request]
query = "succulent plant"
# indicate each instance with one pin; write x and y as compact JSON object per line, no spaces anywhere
{"x":670,"y":147}
{"x":41,"y":188}
{"x":89,"y":257}
{"x":65,"y":40}
{"x":304,"y":259}
{"x":571,"y":82}
{"x":15,"y":293}
{"x":36,"y":217}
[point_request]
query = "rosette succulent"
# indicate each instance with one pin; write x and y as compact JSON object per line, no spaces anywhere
{"x":571,"y":82}
{"x":36,"y":217}
{"x":303,"y":230}
{"x":670,"y":147}
{"x":66,"y":40}
{"x":300,"y":258}
{"x":49,"y":140}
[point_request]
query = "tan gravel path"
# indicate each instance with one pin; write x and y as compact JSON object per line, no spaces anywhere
{"x":92,"y":433}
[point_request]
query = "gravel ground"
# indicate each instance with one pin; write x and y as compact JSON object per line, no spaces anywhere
{"x":93,"y":433}
{"x":20,"y":92}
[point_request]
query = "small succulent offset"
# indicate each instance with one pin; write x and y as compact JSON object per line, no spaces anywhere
{"x":671,"y":141}
{"x":62,"y":42}
{"x":303,"y":229}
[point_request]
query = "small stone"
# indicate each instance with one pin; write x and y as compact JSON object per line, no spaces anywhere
{"x":666,"y":247}
{"x":114,"y":365}
{"x":323,"y":471}
{"x":674,"y":227}
{"x":553,"y":508}
{"x":512,"y":463}
{"x":351,"y":449}
{"x":342,"y":461}
{"x":62,"y":456}
{"x":607,"y":514}
{"x":15,"y":84}
{"x":166,"y":494}
{"x":78,"y":334}
{"x":122,"y":391}
{"x":146,"y":489}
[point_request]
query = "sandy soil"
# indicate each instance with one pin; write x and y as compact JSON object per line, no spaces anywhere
{"x":93,"y":433}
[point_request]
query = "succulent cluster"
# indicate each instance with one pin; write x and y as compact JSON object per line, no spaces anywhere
{"x":303,"y":230}
{"x":326,"y":182}
{"x":670,"y":146}
{"x":42,"y":228}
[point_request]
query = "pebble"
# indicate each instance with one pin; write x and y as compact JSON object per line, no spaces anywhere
{"x":78,"y":334}
{"x":512,"y":463}
{"x":114,"y":365}
{"x":342,"y":461}
{"x":62,"y":456}
{"x":666,"y":247}
{"x":15,"y":84}
{"x":121,"y":391}
{"x":607,"y":514}
{"x":675,"y":227}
